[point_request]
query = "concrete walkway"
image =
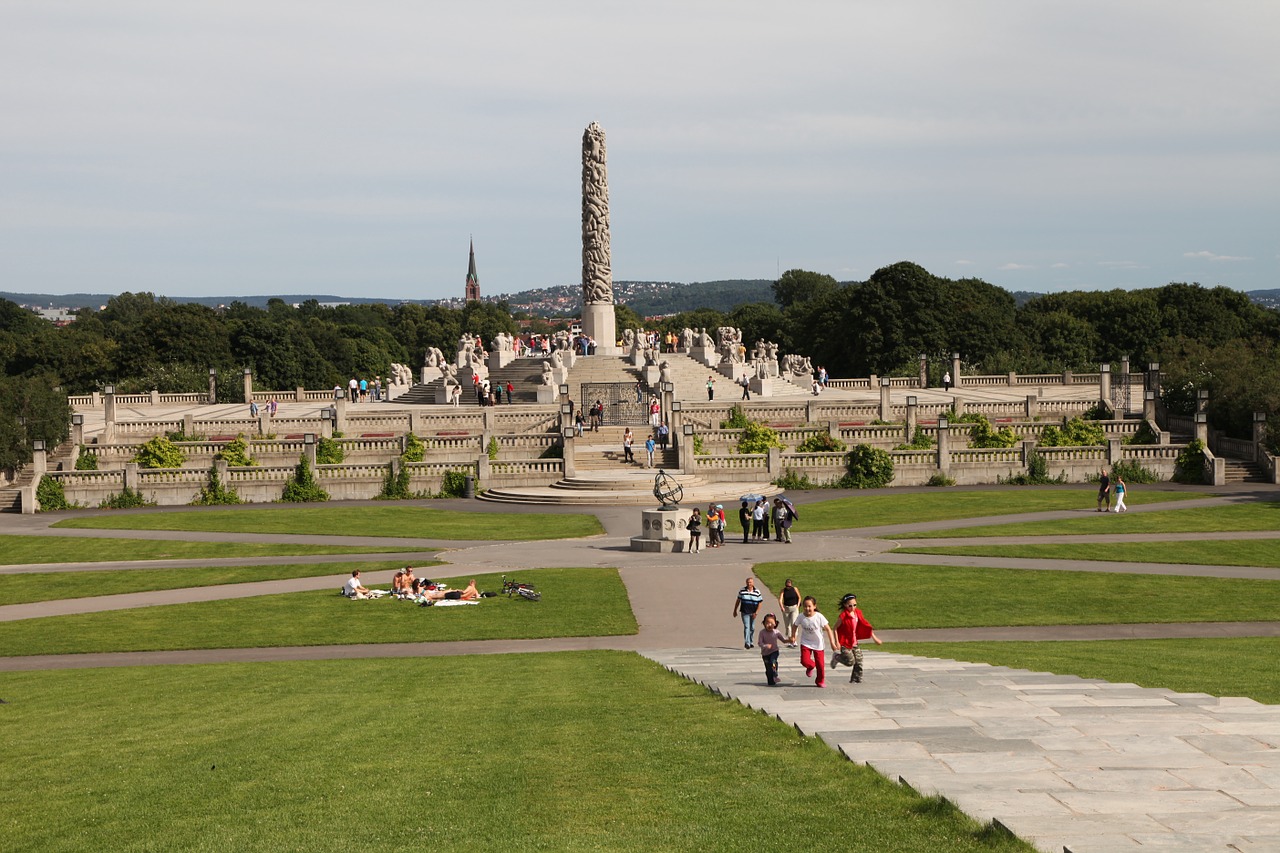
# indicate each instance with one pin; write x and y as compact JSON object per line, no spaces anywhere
{"x":1064,"y":762}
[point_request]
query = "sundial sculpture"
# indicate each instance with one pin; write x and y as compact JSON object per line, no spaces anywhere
{"x":667,"y":490}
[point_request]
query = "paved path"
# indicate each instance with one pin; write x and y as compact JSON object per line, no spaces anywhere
{"x":1064,"y":762}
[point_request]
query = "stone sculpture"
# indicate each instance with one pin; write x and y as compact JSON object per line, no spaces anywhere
{"x":557,"y":361}
{"x":686,"y":339}
{"x":664,"y":371}
{"x":597,"y":272}
{"x":546,"y":374}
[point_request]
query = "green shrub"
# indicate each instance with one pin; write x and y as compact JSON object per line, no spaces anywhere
{"x":822,"y":442}
{"x":1037,"y":474}
{"x":868,"y":468}
{"x":920,"y":441}
{"x":1144,"y":435}
{"x":329,"y":452}
{"x":86,"y":461}
{"x":179,"y":435}
{"x":302,"y":486}
{"x":414,"y":449}
{"x":793,"y":481}
{"x":698,"y":448}
{"x":395,"y":485}
{"x":236,"y":453}
{"x":737,"y":419}
{"x":127,"y":499}
{"x":1074,"y":433}
{"x":757,"y":438}
{"x":51,"y":496}
{"x":213,"y":493}
{"x":453,"y":484}
{"x":940,"y":479}
{"x":492,"y":449}
{"x":1188,"y":468}
{"x":159,"y":452}
{"x":1099,"y":411}
{"x":1132,"y":472}
{"x":984,"y":435}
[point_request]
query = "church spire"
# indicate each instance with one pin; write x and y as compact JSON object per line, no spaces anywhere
{"x":473,"y":280}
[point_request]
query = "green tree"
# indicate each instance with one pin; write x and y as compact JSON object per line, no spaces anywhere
{"x":795,"y":286}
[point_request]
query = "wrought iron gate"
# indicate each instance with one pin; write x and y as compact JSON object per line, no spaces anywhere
{"x":620,"y":404}
{"x":1121,"y":394}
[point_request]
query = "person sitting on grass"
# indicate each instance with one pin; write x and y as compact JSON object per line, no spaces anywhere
{"x":399,"y":588}
{"x":353,"y":588}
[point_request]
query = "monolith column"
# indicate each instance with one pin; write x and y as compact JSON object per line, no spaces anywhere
{"x":597,"y":270}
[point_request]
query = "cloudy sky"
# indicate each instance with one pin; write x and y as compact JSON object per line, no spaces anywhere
{"x":297,"y":146}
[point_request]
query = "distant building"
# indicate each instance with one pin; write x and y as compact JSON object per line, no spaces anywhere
{"x":473,"y":280}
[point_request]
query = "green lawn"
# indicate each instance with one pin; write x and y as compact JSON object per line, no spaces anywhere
{"x":380,"y":519}
{"x":51,"y":586}
{"x":894,"y":596}
{"x":1208,"y":552}
{"x":556,"y":752}
{"x":879,"y":508}
{"x":19,"y":550}
{"x":575,"y":603}
{"x":1260,"y":515}
{"x":1226,"y":667}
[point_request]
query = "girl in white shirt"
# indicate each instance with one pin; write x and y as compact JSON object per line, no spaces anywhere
{"x":814,"y":631}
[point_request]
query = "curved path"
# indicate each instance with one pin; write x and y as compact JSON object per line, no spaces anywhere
{"x":1066,"y":763}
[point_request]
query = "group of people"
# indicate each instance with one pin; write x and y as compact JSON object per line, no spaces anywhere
{"x":1107,"y":485}
{"x":407,"y":587}
{"x":360,"y":390}
{"x":270,"y":408}
{"x":753,"y":519}
{"x":489,"y":393}
{"x":806,"y":626}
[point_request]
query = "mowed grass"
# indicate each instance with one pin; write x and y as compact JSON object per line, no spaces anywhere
{"x":390,"y":520}
{"x":1257,"y":515}
{"x":894,"y":596}
{"x":52,"y":586}
{"x":1221,"y":667}
{"x":875,"y":509}
{"x":1206,"y":552}
{"x":557,"y":752}
{"x":19,"y":550}
{"x":576,"y":602}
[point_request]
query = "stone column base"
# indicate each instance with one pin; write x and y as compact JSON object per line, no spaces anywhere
{"x":662,"y":530}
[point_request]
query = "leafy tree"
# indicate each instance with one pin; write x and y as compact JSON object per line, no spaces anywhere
{"x":625,"y":318}
{"x":797,"y":285}
{"x":31,"y":407}
{"x":867,"y":468}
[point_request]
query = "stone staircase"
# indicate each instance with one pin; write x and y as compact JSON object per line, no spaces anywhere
{"x":1243,"y":471}
{"x":602,"y":451}
{"x":690,"y":380}
{"x":525,"y":376}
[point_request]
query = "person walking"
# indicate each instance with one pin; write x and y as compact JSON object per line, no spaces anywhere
{"x":946,"y":381}
{"x":1104,"y":491}
{"x":664,"y":435}
{"x":789,"y":601}
{"x":627,"y":440}
{"x":770,"y":641}
{"x":744,"y":518}
{"x":745,"y":605}
{"x":711,"y":388}
{"x":649,"y":446}
{"x":1120,"y":493}
{"x":746,"y":388}
{"x":713,"y":527}
{"x":814,"y":631}
{"x":851,"y":627}
{"x":577,"y":422}
{"x":757,"y":521}
{"x":783,"y":515}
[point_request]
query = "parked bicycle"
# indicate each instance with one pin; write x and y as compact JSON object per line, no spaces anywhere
{"x":524,"y":590}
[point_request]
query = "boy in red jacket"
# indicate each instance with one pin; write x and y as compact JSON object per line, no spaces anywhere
{"x":852,"y":626}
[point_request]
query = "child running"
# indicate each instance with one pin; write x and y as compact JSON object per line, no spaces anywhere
{"x":852,"y":626}
{"x":813,"y":630}
{"x":770,"y":640}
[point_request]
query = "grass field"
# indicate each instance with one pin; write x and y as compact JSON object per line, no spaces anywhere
{"x":1259,"y":515}
{"x":51,"y":586}
{"x":392,"y":520}
{"x":1224,"y":667}
{"x":894,"y":596}
{"x":19,"y":550}
{"x":575,"y":603}
{"x":572,"y":751}
{"x":1207,"y":552}
{"x":879,"y":508}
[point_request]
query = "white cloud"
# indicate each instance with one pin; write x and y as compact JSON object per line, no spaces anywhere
{"x":1122,"y":265}
{"x":1013,"y":267}
{"x":1060,"y":266}
{"x":1210,"y":256}
{"x":964,"y":263}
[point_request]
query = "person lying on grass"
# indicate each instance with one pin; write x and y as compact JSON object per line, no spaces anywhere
{"x":468,"y":594}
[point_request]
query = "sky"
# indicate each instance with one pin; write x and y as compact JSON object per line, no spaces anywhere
{"x":354,"y":149}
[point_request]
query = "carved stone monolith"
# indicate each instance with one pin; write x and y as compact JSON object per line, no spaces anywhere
{"x":597,"y":270}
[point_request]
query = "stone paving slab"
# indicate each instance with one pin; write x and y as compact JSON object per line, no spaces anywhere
{"x":1069,"y":764}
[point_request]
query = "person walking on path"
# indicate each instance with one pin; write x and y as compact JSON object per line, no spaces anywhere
{"x":745,"y":605}
{"x":1120,"y":493}
{"x":649,"y":446}
{"x":852,"y":626}
{"x":757,"y":521}
{"x":770,"y":642}
{"x":744,"y":518}
{"x":627,"y":440}
{"x":946,"y":381}
{"x":713,"y":525}
{"x":711,"y":388}
{"x":789,"y":601}
{"x":782,"y":520}
{"x":664,"y":433}
{"x":1104,"y":491}
{"x":694,"y":526}
{"x":814,"y":632}
{"x":746,"y":388}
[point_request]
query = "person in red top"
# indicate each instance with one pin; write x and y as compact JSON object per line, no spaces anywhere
{"x":852,"y":626}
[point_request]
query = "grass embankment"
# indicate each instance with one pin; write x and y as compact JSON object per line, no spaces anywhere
{"x":894,"y":596}
{"x":1225,"y":667}
{"x":575,"y":603}
{"x":875,"y":509}
{"x":53,"y":586}
{"x":571,"y":751}
{"x":392,"y":521}
{"x":19,"y":550}
{"x":1261,"y":515}
{"x":1206,"y":552}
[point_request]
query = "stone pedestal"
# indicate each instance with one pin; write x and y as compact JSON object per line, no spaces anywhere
{"x":761,"y":387}
{"x":599,"y":324}
{"x":736,"y":370}
{"x":662,"y":530}
{"x":652,"y":375}
{"x":548,"y":394}
{"x":501,"y":358}
{"x":704,"y":355}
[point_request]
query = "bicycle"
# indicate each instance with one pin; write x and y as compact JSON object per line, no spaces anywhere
{"x":524,"y":590}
